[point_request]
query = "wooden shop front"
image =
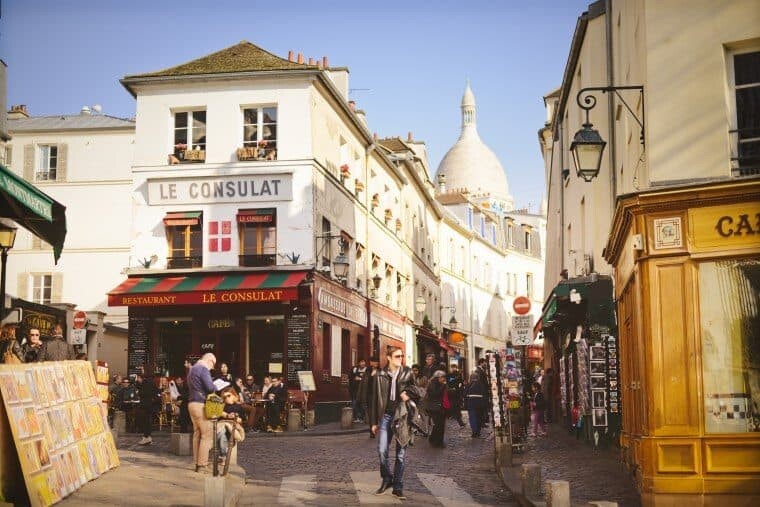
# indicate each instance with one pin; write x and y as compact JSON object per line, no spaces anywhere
{"x":687,"y":273}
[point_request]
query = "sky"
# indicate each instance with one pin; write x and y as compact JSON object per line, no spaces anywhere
{"x":408,"y":60}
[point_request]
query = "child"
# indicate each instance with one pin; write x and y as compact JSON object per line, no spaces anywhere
{"x":232,"y":416}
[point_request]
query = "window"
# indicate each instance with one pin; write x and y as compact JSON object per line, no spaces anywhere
{"x":469,"y":218}
{"x":493,"y":233}
{"x":728,"y":307}
{"x":745,"y":136}
{"x":260,"y":131}
{"x":42,"y":289}
{"x":47,"y":164}
{"x":326,"y":246}
{"x":529,"y":285}
{"x":257,"y":229}
{"x":528,"y":244}
{"x":190,"y":136}
{"x":185,"y":238}
{"x":482,"y":227}
{"x":510,"y":239}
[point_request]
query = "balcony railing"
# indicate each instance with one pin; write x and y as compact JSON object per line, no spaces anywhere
{"x":195,"y":261}
{"x":258,"y":260}
{"x":745,"y":152}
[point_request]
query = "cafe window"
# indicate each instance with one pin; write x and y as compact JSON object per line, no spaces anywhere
{"x":729,"y":315}
{"x":42,"y":289}
{"x":47,"y":162}
{"x":257,"y":229}
{"x":260,"y":131}
{"x":190,"y":136}
{"x":185,"y":237}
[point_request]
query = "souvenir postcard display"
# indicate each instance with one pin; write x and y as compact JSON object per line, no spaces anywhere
{"x":59,"y":427}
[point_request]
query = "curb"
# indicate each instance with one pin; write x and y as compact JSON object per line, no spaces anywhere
{"x":309,"y":433}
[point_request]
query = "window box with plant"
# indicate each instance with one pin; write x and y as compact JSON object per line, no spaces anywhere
{"x":375,"y":201}
{"x":388,"y":216}
{"x":345,"y":173}
{"x":189,"y":137}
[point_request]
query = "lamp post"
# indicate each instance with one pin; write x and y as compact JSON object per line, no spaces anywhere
{"x":7,"y":239}
{"x":420,"y":304}
{"x":588,"y":146}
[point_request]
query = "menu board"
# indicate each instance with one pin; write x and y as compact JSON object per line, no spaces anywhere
{"x":298,"y":345}
{"x":59,"y":427}
{"x":138,"y":345}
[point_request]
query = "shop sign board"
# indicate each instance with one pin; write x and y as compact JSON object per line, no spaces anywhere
{"x":78,"y":336}
{"x":341,"y":307}
{"x":522,"y":330}
{"x":204,"y":297}
{"x":220,"y":189}
{"x":729,"y":225}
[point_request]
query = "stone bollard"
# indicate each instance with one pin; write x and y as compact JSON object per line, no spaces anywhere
{"x":530,"y":477}
{"x":310,"y":418}
{"x":294,"y":419}
{"x":601,"y":503}
{"x":213,"y":492}
{"x":557,"y":493}
{"x":120,"y":422}
{"x":181,"y":444}
{"x":346,"y":418}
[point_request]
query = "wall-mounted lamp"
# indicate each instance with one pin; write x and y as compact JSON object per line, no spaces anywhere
{"x":420,"y":304}
{"x":587,"y":146}
{"x":376,"y":281}
{"x":453,"y":320}
{"x":7,"y":240}
{"x":340,"y":264}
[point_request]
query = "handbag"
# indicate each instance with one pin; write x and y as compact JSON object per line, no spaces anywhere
{"x":8,"y":356}
{"x":213,"y":407}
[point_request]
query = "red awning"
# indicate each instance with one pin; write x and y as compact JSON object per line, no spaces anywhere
{"x":183,"y":218}
{"x":253,"y":287}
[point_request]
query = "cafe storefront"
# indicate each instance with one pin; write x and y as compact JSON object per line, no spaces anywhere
{"x":687,"y":286}
{"x":245,"y":318}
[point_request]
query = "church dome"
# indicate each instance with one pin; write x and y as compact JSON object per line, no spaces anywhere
{"x":470,"y":164}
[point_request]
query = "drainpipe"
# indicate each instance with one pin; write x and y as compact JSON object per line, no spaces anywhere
{"x":611,"y":102}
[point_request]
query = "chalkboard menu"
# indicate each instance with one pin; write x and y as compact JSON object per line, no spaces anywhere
{"x":137,"y":349}
{"x":298,"y":345}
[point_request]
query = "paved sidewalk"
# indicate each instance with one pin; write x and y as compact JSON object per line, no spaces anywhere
{"x":593,"y":474}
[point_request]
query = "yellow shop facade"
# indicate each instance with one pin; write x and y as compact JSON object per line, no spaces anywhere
{"x":687,"y":284}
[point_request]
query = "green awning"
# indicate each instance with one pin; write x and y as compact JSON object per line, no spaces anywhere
{"x":589,"y":297}
{"x":32,"y":209}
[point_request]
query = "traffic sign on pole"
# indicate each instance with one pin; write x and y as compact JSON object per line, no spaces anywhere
{"x":522,"y":330}
{"x":80,"y":319}
{"x":521,"y":305}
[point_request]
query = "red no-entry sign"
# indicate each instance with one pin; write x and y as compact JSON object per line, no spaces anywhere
{"x":80,"y":319}
{"x":521,"y":305}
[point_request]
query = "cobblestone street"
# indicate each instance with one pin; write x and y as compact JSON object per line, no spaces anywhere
{"x":343,"y":470}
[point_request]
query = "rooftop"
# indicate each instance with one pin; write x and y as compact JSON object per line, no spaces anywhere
{"x":68,"y":122}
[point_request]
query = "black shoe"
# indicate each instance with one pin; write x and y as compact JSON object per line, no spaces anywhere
{"x":383,"y":487}
{"x":399,"y":494}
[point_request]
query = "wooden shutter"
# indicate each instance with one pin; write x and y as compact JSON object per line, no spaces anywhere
{"x":8,"y":155}
{"x":23,"y":286}
{"x":56,"y":291}
{"x":63,"y":152}
{"x":29,"y":162}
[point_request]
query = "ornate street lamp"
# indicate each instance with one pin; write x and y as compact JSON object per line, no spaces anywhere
{"x":7,"y":239}
{"x":376,"y":281}
{"x":420,"y":304}
{"x":588,"y":146}
{"x":340,"y":264}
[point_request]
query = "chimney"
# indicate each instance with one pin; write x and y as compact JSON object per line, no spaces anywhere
{"x":300,"y":57}
{"x":311,"y":61}
{"x":18,"y":111}
{"x":442,"y":183}
{"x":324,"y":62}
{"x":410,"y":137}
{"x":352,"y":105}
{"x":319,"y":64}
{"x":290,"y":55}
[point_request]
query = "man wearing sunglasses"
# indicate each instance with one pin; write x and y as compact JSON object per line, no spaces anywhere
{"x":392,"y":387}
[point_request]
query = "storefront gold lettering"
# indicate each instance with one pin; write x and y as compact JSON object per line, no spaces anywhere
{"x":148,"y":300}
{"x":250,"y":296}
{"x":728,"y":227}
{"x":220,"y":323}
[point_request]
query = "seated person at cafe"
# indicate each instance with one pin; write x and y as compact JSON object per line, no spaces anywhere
{"x":277,"y":395}
{"x":231,"y":413}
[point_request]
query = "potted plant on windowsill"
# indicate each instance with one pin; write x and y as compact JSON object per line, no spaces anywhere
{"x":247,"y":153}
{"x":195,"y":155}
{"x":345,"y":173}
{"x":388,"y":216}
{"x":179,"y":151}
{"x":358,"y":185}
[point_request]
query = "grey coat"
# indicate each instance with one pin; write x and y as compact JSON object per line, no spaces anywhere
{"x":56,"y":350}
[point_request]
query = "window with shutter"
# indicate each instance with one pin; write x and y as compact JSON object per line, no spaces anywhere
{"x":22,"y":285}
{"x":29,"y":162}
{"x":56,"y":289}
{"x":63,"y":162}
{"x":42,"y":288}
{"x":8,"y":155}
{"x":47,"y":162}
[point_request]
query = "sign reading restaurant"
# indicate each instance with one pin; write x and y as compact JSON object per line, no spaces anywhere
{"x":221,"y":189}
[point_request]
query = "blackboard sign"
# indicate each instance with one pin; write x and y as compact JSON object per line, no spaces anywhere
{"x":298,"y":345}
{"x":139,"y":342}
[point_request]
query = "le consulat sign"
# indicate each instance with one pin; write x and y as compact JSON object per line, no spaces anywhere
{"x":221,"y":189}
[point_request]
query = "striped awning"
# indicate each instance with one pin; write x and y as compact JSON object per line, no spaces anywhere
{"x":183,"y":218}
{"x":241,"y":288}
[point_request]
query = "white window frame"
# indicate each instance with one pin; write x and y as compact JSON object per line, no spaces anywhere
{"x":529,"y":285}
{"x":47,"y":162}
{"x":189,"y":127}
{"x":528,"y":241}
{"x":39,"y":283}
{"x":260,"y":125}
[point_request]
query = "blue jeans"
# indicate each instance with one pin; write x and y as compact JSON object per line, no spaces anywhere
{"x":474,"y":414}
{"x":223,"y":441}
{"x":384,"y":439}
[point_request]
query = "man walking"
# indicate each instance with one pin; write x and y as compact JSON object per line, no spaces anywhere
{"x":392,"y":387}
{"x":455,"y":386}
{"x":200,"y":385}
{"x":354,"y":383}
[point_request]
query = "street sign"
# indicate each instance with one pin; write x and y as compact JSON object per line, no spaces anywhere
{"x":522,"y":330}
{"x":78,"y":337}
{"x":521,"y":305}
{"x":80,"y":319}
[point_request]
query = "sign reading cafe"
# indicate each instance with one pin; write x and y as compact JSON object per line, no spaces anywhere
{"x":221,"y":189}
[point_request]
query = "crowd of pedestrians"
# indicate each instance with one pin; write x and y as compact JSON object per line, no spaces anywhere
{"x":31,"y":348}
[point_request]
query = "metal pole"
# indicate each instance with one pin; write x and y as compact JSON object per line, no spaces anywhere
{"x":2,"y":282}
{"x":215,"y":452}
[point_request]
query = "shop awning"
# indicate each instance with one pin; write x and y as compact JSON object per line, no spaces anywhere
{"x":182,"y":218}
{"x":258,"y":216}
{"x":245,"y":288}
{"x":32,"y":209}
{"x":588,"y":299}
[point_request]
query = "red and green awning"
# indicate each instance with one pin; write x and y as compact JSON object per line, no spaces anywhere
{"x":241,"y":288}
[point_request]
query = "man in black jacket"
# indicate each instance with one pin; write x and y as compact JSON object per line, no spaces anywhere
{"x":277,"y":395}
{"x":390,"y":386}
{"x":148,"y":396}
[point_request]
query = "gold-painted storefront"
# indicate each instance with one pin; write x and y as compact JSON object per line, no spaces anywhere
{"x":687,"y":285}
